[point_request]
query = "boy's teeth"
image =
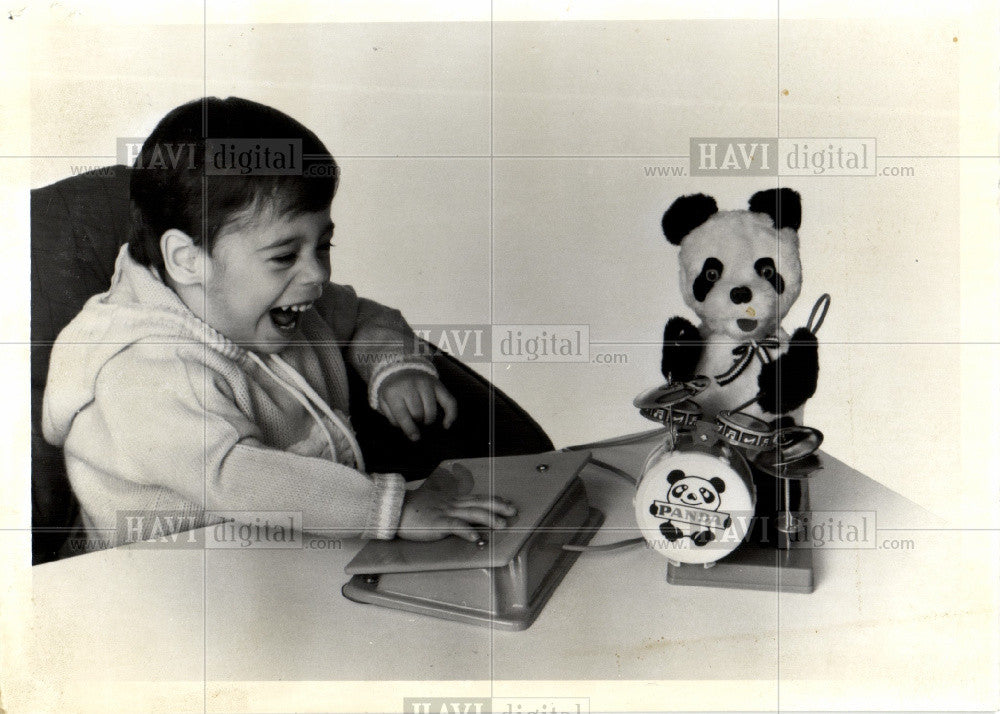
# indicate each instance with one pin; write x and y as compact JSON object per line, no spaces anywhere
{"x":284,"y":319}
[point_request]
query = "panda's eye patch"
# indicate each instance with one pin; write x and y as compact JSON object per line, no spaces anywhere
{"x":706,"y":495}
{"x":679,"y":490}
{"x":765,"y":269}
{"x":710,"y":274}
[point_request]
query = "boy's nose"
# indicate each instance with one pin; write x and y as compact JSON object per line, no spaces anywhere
{"x":315,"y":271}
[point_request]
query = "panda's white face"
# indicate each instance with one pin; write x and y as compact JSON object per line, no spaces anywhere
{"x":740,"y":275}
{"x":694,"y":491}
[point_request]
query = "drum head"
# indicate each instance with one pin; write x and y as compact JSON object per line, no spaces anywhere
{"x":740,"y":429}
{"x":693,"y":507}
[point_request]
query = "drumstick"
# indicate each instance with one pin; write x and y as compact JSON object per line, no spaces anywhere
{"x":743,"y":406}
{"x":821,"y":307}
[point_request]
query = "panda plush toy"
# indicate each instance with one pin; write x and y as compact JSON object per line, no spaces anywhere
{"x":740,"y":273}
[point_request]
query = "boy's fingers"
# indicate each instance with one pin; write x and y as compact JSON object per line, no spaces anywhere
{"x":429,"y":403}
{"x":403,"y":419}
{"x":414,"y":405}
{"x":447,"y":402}
{"x":480,"y":516}
{"x":387,"y":412}
{"x":463,"y":529}
{"x":496,"y":505}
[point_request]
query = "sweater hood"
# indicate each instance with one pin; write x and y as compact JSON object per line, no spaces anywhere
{"x":138,"y":307}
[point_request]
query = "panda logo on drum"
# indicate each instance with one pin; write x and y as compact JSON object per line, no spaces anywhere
{"x":692,"y":508}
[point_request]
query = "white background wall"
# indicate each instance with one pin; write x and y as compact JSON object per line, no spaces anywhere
{"x":562,"y":225}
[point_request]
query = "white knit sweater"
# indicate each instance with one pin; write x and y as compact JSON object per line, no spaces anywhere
{"x":159,"y":413}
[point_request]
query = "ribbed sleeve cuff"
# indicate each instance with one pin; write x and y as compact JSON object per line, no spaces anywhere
{"x":388,"y":370}
{"x":387,"y":507}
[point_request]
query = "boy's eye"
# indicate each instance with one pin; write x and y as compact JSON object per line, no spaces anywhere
{"x":289,"y":259}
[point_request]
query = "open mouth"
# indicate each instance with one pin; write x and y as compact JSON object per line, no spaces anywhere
{"x":746,"y":325}
{"x":286,"y":319}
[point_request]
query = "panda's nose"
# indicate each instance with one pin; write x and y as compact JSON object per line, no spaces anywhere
{"x":740,"y":295}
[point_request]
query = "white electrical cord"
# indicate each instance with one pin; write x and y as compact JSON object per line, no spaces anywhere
{"x":334,"y":417}
{"x":310,"y":400}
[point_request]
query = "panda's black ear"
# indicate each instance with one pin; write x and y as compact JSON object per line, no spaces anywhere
{"x":718,"y":483}
{"x":675,"y":476}
{"x":783,"y":205}
{"x":685,"y":214}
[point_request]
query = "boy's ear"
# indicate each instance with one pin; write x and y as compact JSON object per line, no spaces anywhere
{"x":182,"y":258}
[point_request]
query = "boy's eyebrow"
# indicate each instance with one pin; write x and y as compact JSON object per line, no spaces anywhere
{"x":280,"y":243}
{"x":289,"y":240}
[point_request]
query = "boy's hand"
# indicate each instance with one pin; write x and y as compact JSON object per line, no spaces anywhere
{"x":410,"y":397}
{"x":431,"y":515}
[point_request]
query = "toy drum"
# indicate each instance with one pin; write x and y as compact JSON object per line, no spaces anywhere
{"x":695,"y":502}
{"x":671,"y":403}
{"x":681,"y":415}
{"x":741,"y":429}
{"x":792,"y":445}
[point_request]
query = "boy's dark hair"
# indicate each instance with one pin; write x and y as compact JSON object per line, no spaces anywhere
{"x":176,"y":180}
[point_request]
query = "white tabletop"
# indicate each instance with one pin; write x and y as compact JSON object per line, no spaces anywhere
{"x":141,"y":614}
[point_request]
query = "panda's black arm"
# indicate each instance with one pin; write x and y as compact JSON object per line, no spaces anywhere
{"x":682,"y":348}
{"x":790,"y":380}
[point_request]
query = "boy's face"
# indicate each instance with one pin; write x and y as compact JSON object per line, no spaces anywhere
{"x":264,"y":274}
